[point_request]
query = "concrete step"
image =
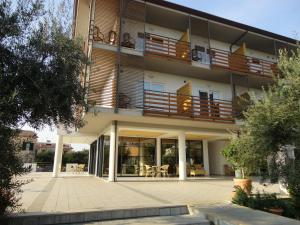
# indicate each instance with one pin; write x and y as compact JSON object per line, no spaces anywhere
{"x":99,"y":216}
{"x":178,"y":220}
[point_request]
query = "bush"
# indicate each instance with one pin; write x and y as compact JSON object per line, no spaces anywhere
{"x":264,"y":202}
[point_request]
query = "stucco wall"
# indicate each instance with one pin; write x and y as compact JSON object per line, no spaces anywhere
{"x":172,"y":82}
{"x":216,"y":160}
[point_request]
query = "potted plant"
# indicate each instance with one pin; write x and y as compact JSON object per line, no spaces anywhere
{"x":242,"y":160}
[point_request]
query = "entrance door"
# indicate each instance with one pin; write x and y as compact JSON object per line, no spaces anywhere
{"x":169,"y":155}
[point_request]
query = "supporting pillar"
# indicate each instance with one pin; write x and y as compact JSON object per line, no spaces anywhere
{"x":205,"y":156}
{"x":113,"y":148}
{"x":58,"y":156}
{"x":182,"y":156}
{"x":158,"y":151}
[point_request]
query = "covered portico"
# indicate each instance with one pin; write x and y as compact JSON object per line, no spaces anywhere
{"x":126,"y":149}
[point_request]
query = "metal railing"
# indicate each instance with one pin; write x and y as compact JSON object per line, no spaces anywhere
{"x":163,"y":46}
{"x":166,"y":104}
{"x":242,"y":63}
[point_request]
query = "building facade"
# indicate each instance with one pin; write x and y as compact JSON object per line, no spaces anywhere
{"x":26,"y":142}
{"x":49,"y":146}
{"x":162,"y":84}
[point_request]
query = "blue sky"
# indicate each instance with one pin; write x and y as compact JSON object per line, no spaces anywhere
{"x":278,"y":16}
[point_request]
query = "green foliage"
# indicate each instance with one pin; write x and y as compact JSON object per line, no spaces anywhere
{"x":39,"y":82}
{"x":80,"y":157}
{"x":264,"y":201}
{"x":272,"y":123}
{"x":240,"y":155}
{"x":45,"y":157}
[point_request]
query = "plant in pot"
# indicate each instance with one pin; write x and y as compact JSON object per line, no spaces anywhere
{"x":240,"y":155}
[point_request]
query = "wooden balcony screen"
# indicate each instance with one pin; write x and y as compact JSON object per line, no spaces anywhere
{"x":102,"y":82}
{"x":241,"y":63}
{"x":107,"y":18}
{"x":167,"y":47}
{"x":165,"y":104}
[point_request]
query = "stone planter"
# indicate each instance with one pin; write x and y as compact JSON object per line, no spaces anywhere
{"x":245,"y":184}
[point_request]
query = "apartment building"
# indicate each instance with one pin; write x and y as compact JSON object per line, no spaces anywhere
{"x":161,"y":86}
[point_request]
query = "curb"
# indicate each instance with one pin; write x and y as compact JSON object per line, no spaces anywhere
{"x":81,"y":217}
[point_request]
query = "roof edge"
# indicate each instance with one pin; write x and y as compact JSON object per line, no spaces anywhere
{"x":218,"y":19}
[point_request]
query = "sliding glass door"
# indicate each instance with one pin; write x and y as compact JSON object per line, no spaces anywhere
{"x":134,"y":154}
{"x":169,"y":155}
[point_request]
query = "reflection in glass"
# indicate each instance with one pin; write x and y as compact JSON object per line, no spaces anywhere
{"x":134,"y":154}
{"x":169,"y":155}
{"x":105,"y":165}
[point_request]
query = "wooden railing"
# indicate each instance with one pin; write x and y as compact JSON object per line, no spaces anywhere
{"x":242,"y":63}
{"x":165,"y":104}
{"x":167,"y":47}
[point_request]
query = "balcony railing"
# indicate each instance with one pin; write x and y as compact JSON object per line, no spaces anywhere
{"x":167,"y":47}
{"x":241,"y":63}
{"x":165,"y":104}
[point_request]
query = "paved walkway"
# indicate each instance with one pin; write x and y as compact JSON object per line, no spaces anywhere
{"x":85,"y":193}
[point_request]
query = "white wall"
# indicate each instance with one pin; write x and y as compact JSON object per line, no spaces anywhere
{"x":173,"y":82}
{"x":216,"y":160}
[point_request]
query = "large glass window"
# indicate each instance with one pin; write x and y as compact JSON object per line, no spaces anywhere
{"x":194,"y":153}
{"x":169,"y":155}
{"x":134,"y":154}
{"x":105,"y":165}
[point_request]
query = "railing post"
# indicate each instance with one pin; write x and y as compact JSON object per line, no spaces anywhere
{"x":169,"y":103}
{"x":168,"y":47}
{"x":192,"y":106}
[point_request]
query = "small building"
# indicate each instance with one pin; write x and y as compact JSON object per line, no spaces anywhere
{"x":49,"y":146}
{"x":26,"y":141}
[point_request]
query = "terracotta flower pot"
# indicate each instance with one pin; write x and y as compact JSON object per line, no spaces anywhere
{"x":277,"y":211}
{"x":245,"y":184}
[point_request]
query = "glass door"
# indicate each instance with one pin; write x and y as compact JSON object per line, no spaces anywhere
{"x":169,"y":155}
{"x":133,"y":154}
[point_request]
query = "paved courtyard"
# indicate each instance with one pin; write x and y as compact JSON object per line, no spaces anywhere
{"x":84,"y":193}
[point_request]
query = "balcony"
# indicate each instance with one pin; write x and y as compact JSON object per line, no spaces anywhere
{"x":242,"y":64}
{"x":172,"y":105}
{"x":161,"y":46}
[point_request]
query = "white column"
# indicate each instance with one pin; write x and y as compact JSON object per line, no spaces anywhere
{"x":158,"y":151}
{"x":182,"y":156}
{"x":58,"y":156}
{"x":205,"y":156}
{"x":113,"y":152}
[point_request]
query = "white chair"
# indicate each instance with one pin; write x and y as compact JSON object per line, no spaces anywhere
{"x":164,"y":170}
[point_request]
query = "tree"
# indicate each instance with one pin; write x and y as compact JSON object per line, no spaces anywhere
{"x":240,"y":155}
{"x":39,"y":82}
{"x":273,"y":122}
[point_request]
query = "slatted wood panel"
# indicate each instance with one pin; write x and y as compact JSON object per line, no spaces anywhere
{"x":102,"y":84}
{"x":165,"y":104}
{"x":131,"y":87}
{"x":133,"y":10}
{"x":242,"y":64}
{"x":158,"y":45}
{"x":106,"y":16}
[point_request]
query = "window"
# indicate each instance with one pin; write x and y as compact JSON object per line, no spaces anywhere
{"x":157,"y":87}
{"x":153,"y":86}
{"x":28,"y":146}
{"x":199,"y":54}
